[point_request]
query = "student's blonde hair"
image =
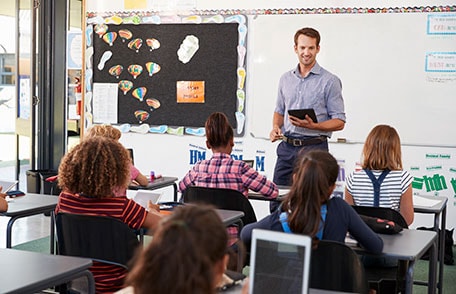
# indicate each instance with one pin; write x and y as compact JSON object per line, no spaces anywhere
{"x":107,"y":131}
{"x":382,"y":149}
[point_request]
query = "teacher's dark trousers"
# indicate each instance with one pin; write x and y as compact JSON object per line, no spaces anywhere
{"x":286,"y":157}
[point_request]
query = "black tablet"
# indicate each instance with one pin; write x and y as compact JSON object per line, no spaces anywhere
{"x":301,"y":113}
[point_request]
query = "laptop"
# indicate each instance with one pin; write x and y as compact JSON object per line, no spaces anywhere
{"x":143,"y":196}
{"x":279,"y":262}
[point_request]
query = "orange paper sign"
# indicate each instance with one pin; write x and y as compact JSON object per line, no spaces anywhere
{"x":190,"y":91}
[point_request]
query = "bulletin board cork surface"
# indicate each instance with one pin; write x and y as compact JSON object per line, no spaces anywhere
{"x":214,"y":63}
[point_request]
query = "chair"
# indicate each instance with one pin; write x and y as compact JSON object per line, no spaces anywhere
{"x":223,"y":199}
{"x":336,"y":267}
{"x":385,"y":279}
{"x":100,"y":238}
{"x":130,"y":152}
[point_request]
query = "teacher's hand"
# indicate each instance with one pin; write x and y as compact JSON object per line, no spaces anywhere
{"x":307,"y":122}
{"x":275,"y":134}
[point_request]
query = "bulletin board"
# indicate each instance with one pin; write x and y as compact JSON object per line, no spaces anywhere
{"x":397,"y":67}
{"x":170,"y":74}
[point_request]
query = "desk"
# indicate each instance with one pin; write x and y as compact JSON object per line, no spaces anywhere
{"x":410,"y":245}
{"x":439,"y":211}
{"x":283,"y":191}
{"x":157,"y":184}
{"x":28,"y":205}
{"x":230,"y":217}
{"x":31,"y":272}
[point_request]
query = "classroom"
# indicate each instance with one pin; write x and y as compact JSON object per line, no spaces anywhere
{"x":396,"y":61}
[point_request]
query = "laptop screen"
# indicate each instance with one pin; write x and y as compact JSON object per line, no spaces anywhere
{"x":279,"y":262}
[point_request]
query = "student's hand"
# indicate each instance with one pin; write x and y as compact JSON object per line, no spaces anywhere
{"x":245,"y":288}
{"x":3,"y":195}
{"x":152,"y":207}
{"x":276,"y":134}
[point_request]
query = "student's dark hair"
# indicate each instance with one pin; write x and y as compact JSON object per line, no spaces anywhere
{"x":314,"y":175}
{"x":182,"y":254}
{"x":309,"y":32}
{"x":218,"y":130}
{"x":95,"y":167}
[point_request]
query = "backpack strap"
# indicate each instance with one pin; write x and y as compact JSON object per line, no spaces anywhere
{"x":376,"y":183}
{"x":284,"y":220}
{"x":323,"y":211}
{"x":286,"y":228}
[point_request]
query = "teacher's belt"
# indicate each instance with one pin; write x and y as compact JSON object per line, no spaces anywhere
{"x":305,"y":142}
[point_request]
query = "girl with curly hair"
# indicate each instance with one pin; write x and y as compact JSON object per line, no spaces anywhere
{"x":88,"y":175}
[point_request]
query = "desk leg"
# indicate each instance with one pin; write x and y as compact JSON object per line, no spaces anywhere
{"x":240,"y":265}
{"x":409,"y":277}
{"x":52,"y":232}
{"x":90,"y":282}
{"x":432,"y":268}
{"x":9,"y":229}
{"x":175,"y":191}
{"x":441,"y":251}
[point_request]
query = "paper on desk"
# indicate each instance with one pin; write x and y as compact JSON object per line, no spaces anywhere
{"x":423,"y":201}
{"x":282,"y":192}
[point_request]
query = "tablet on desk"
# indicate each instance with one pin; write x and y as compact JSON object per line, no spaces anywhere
{"x":301,"y":113}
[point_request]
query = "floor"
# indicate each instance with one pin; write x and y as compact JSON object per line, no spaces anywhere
{"x":25,"y":229}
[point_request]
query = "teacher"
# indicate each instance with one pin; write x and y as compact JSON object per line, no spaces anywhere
{"x":306,"y":86}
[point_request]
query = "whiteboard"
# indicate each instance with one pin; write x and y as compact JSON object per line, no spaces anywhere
{"x":381,"y":60}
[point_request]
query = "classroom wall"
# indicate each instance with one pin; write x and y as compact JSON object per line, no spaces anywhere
{"x":433,"y":167}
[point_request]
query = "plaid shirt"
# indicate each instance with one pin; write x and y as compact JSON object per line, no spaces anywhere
{"x":221,"y":171}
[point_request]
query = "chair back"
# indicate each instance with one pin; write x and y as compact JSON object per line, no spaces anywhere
{"x":130,"y":151}
{"x":383,"y":213}
{"x":336,"y":267}
{"x":223,"y":199}
{"x":100,"y":238}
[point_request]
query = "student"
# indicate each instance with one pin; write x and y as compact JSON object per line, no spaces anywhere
{"x":113,"y":133}
{"x":221,"y":171}
{"x":3,"y":202}
{"x":186,"y":255}
{"x":382,"y":154}
{"x":309,"y":210}
{"x":88,"y":175}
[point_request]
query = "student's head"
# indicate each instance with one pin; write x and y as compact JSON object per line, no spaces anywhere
{"x":219,"y":132}
{"x":382,"y":149}
{"x":95,"y":167}
{"x":186,"y":255}
{"x":107,"y":131}
{"x":314,"y":179}
{"x":309,"y":32}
